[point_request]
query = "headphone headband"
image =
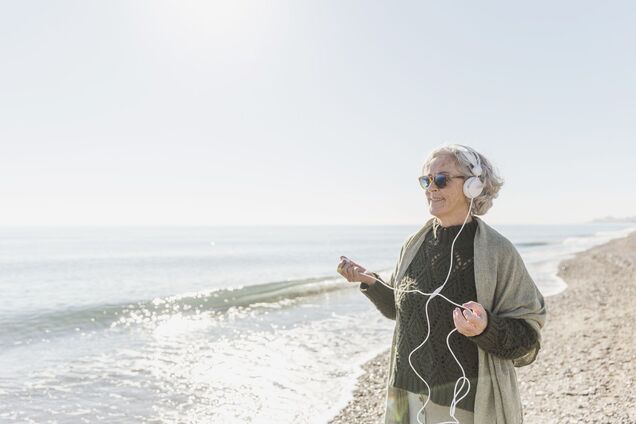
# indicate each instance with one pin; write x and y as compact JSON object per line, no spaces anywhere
{"x":472,"y":157}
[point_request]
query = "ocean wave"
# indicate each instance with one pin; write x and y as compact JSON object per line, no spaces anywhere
{"x":50,"y":323}
{"x":532,"y":244}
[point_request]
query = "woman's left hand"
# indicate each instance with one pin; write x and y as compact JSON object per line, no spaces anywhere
{"x":473,"y":322}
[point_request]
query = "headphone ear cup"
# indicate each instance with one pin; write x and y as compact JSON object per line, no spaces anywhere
{"x":473,"y":187}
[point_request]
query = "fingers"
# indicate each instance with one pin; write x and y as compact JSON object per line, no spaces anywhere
{"x":344,"y":266}
{"x":353,"y":272}
{"x":467,"y":323}
{"x":347,"y":260}
{"x":341,"y":265}
{"x":468,"y":315}
{"x":471,"y":305}
{"x":340,"y":269}
{"x":462,"y":316}
{"x":472,"y":321}
{"x":350,"y":270}
{"x":461,"y":323}
{"x":346,"y":271}
{"x":476,"y":308}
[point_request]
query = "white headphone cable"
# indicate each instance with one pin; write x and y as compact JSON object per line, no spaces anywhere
{"x":457,"y":391}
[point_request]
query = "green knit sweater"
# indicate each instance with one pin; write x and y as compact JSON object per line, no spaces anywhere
{"x":507,"y":338}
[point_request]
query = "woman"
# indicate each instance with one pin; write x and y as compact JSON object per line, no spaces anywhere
{"x":466,"y":310}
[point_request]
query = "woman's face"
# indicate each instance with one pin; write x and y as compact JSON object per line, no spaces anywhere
{"x":448,"y":204}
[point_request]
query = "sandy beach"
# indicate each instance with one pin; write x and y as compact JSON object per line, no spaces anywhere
{"x":586,"y":369}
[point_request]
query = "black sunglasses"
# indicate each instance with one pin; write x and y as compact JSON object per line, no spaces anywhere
{"x":440,"y":180}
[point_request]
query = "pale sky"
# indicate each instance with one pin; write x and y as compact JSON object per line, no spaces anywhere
{"x":321,"y":112}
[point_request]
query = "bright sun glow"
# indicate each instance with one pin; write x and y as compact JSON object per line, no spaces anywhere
{"x":217,"y":24}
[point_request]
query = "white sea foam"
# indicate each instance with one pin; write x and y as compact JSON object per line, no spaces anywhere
{"x":543,"y":262}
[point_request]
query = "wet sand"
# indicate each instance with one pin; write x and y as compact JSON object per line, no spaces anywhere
{"x":586,"y":369}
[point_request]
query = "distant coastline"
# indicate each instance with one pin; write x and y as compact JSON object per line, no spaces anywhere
{"x":613,"y":220}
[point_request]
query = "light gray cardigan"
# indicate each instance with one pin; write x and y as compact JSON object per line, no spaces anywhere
{"x":505,"y":288}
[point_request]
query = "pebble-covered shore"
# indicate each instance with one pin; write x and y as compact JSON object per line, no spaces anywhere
{"x":586,"y":369}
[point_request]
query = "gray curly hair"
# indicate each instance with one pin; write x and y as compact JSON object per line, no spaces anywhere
{"x":489,"y":174}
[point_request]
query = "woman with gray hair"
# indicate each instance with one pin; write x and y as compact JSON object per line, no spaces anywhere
{"x":466,"y":310}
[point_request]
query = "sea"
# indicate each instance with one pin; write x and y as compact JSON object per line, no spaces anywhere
{"x":207,"y":324}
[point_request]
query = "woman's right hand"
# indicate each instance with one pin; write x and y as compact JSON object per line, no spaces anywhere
{"x":353,"y":272}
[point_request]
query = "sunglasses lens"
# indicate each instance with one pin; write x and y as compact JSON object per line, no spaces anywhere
{"x":440,"y":180}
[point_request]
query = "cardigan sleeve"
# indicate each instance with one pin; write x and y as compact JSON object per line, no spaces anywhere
{"x":507,"y":338}
{"x":382,"y":297}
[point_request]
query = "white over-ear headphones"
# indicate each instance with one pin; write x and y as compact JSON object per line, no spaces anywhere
{"x":473,"y":186}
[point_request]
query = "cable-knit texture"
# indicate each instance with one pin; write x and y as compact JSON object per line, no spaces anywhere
{"x":433,"y":361}
{"x":505,"y":337}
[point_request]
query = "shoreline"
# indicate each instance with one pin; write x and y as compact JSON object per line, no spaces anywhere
{"x":586,"y":367}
